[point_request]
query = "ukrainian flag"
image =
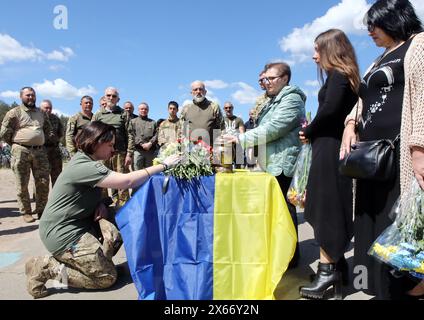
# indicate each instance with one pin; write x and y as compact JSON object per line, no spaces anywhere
{"x":226,"y":237}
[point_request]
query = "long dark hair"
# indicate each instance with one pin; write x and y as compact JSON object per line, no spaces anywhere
{"x":94,"y":134}
{"x":337,"y":53}
{"x":397,"y":18}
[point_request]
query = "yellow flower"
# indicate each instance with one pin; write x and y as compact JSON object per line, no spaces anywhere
{"x":420,"y":269}
{"x":385,"y":252}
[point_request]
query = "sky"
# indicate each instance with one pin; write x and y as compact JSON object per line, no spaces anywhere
{"x":153,"y":50}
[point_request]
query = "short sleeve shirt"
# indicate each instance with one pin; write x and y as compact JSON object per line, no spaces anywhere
{"x":69,"y":213}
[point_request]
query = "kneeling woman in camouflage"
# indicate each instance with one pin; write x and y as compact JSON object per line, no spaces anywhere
{"x":74,"y":207}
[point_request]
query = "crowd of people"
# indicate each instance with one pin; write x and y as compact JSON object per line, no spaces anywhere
{"x":114,"y":149}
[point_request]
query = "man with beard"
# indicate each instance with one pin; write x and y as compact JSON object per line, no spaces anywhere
{"x":77,"y":122}
{"x":52,"y":145}
{"x":26,"y":128}
{"x":203,"y":118}
{"x":115,"y":116}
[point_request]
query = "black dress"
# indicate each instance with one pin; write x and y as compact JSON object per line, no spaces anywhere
{"x":382,"y":94}
{"x":329,"y":195}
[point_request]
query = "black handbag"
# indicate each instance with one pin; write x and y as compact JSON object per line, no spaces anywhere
{"x":370,"y":160}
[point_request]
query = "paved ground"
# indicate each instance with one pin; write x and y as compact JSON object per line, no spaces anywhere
{"x":19,"y":241}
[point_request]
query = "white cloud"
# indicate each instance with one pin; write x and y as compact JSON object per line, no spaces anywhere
{"x":347,"y":16}
{"x":10,"y":94}
{"x":12,"y":50}
{"x":63,"y":55}
{"x":312,"y":83}
{"x":60,"y":113}
{"x":246,"y":94}
{"x":216,"y":84}
{"x":60,"y":89}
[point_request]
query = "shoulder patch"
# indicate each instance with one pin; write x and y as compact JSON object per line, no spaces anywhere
{"x":101,"y":168}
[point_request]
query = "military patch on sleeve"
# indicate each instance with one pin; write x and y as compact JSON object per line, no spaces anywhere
{"x":101,"y":168}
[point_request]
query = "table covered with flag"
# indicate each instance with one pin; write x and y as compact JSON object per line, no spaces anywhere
{"x":224,"y":237}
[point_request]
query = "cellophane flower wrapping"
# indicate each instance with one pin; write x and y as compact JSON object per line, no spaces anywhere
{"x":195,"y":159}
{"x":402,"y":244}
{"x":297,"y":190}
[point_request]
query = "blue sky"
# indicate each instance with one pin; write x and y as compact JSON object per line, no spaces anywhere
{"x":152,"y":50}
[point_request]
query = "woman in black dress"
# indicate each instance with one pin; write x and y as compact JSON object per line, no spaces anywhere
{"x":386,"y":93}
{"x":329,"y":196}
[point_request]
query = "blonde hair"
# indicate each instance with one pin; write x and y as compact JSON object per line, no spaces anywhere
{"x":337,"y":53}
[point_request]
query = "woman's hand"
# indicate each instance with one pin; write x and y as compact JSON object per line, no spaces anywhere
{"x":418,"y":164}
{"x":302,"y":137}
{"x":172,"y":161}
{"x":349,"y":139}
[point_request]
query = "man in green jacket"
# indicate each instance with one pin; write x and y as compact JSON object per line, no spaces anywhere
{"x":117,"y":117}
{"x":277,"y":133}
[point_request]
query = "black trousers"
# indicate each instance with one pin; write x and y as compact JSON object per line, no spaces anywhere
{"x":284,"y":183}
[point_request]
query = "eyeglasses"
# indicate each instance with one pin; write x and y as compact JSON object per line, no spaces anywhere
{"x":228,"y":108}
{"x":371,"y":28}
{"x":112,"y":95}
{"x":268,"y":80}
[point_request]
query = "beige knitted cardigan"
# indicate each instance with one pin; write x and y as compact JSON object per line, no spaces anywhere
{"x":412,"y":127}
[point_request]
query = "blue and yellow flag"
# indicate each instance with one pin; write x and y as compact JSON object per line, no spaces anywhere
{"x":226,"y":237}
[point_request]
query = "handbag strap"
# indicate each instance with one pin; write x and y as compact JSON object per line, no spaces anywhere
{"x":356,"y":117}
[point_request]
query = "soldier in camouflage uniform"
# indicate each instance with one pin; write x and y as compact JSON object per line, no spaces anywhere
{"x":142,"y":138}
{"x":75,"y":208}
{"x":26,"y":128}
{"x":170,"y":130}
{"x":52,"y":145}
{"x":117,"y":117}
{"x":77,"y":122}
{"x":202,"y":119}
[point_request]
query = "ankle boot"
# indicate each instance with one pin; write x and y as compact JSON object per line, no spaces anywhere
{"x":326,"y":277}
{"x":341,"y":266}
{"x":38,"y":271}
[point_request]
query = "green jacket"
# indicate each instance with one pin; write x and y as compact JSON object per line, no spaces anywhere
{"x":75,"y":125}
{"x":277,"y":134}
{"x":119,"y":119}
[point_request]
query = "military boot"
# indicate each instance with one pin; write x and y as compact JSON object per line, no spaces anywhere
{"x":38,"y":270}
{"x":28,"y":218}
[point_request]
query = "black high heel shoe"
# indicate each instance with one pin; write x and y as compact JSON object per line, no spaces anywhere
{"x":327,"y":276}
{"x":343,"y":267}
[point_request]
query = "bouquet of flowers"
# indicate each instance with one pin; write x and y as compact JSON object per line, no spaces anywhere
{"x":402,"y":244}
{"x":297,"y":189}
{"x":195,"y":162}
{"x":5,"y":156}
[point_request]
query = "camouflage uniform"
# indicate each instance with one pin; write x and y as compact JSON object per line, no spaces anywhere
{"x":201,"y":119}
{"x":26,"y":130}
{"x":169,"y":131}
{"x":119,"y":119}
{"x":259,"y":105}
{"x":75,"y":124}
{"x":142,"y":131}
{"x":82,"y":266}
{"x":52,"y":147}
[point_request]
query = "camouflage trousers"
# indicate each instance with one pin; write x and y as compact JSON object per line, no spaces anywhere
{"x":55,"y":160}
{"x":143,"y":159}
{"x":117,"y":163}
{"x":88,"y":263}
{"x":24,"y":160}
